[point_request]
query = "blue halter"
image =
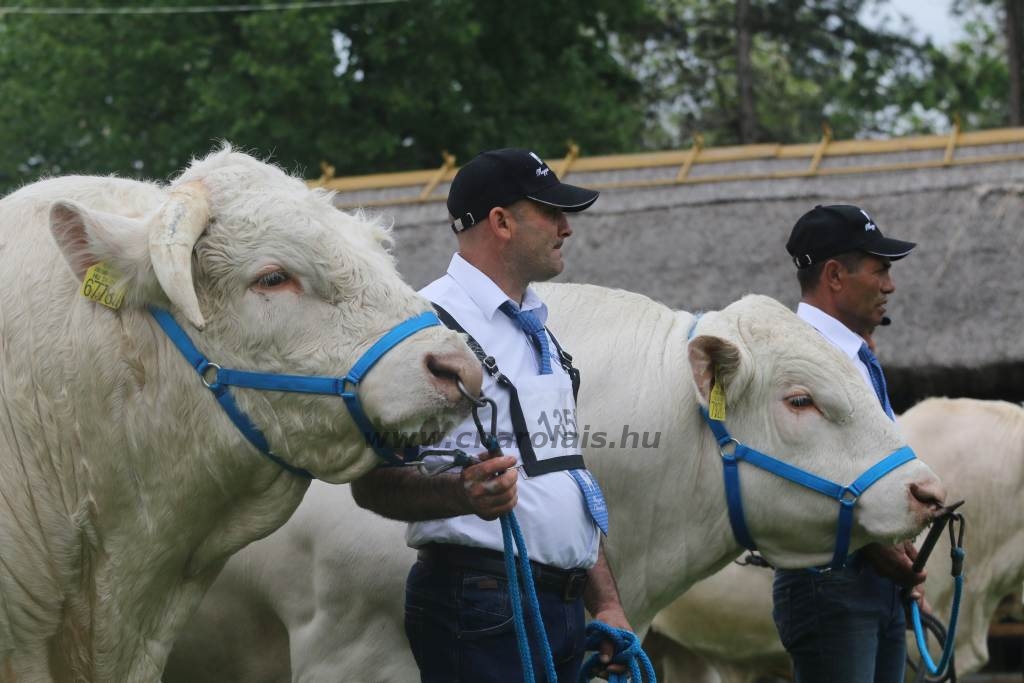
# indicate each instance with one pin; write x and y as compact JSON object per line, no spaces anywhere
{"x":846,"y":496}
{"x":338,"y":386}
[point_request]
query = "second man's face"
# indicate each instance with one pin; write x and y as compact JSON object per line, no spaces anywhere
{"x":866,"y":292}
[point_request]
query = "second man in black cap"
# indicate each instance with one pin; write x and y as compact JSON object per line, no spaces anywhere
{"x":847,"y":625}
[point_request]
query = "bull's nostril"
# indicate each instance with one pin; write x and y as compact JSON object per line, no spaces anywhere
{"x":928,"y":496}
{"x":437,"y":369}
{"x":451,"y":369}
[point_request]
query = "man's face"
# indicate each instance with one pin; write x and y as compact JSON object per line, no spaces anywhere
{"x":865,"y":292}
{"x":536,"y":247}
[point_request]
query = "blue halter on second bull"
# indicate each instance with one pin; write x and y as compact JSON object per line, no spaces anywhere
{"x":846,"y":496}
{"x":224,"y":378}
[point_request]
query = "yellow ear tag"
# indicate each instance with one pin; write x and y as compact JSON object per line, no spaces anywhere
{"x":99,"y":284}
{"x":716,"y":402}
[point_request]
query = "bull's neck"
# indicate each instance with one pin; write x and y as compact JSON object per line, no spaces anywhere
{"x":677,"y":521}
{"x":166,"y":505}
{"x":669,"y":522}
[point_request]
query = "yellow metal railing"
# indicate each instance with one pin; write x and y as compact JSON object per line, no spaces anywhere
{"x":687,"y":160}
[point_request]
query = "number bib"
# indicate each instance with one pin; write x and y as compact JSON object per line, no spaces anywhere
{"x":551,"y":441}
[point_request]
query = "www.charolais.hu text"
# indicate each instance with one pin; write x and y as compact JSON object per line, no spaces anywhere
{"x":468,"y":440}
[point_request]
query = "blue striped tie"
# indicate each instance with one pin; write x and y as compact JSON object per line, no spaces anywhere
{"x":877,"y":378}
{"x":530,"y":324}
{"x":594,"y":498}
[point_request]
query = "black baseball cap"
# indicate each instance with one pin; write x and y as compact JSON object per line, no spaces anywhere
{"x":504,"y":176}
{"x":827,"y":231}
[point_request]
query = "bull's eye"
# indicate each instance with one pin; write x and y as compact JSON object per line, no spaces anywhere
{"x":801,"y":401}
{"x":274,"y":278}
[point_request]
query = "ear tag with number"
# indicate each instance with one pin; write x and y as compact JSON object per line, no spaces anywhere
{"x":99,"y":284}
{"x":716,"y":402}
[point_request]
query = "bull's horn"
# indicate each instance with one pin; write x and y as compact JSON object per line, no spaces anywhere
{"x":172,"y":236}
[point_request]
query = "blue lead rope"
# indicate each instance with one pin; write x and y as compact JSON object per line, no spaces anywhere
{"x":954,"y":617}
{"x":956,"y":554}
{"x":512,"y":536}
{"x":627,"y":651}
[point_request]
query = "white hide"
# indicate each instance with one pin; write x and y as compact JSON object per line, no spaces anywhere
{"x":123,"y":486}
{"x":340,"y":600}
{"x":977,"y":447}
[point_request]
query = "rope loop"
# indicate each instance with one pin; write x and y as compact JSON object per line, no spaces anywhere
{"x":627,"y":651}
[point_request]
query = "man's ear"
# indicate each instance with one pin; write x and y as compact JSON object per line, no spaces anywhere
{"x":500,"y":222}
{"x":832,"y":274}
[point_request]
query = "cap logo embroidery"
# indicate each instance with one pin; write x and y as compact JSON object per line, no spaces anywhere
{"x":543,"y":170}
{"x":870,"y":225}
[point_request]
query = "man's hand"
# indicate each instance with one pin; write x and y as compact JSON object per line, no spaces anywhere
{"x":489,"y":487}
{"x":896,"y":562}
{"x":616,"y":618}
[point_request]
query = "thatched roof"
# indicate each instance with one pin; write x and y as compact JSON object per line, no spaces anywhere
{"x":959,"y":305}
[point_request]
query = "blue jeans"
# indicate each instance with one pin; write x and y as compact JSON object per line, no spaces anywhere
{"x":459,"y":625}
{"x":844,"y":626}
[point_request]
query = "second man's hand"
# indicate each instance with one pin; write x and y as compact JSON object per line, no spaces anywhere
{"x":489,"y":487}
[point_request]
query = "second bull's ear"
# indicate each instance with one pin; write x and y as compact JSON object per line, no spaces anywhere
{"x":87,"y":237}
{"x":714,"y":359}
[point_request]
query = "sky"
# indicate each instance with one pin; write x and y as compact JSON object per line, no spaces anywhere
{"x":930,"y":17}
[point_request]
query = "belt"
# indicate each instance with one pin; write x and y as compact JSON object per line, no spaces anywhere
{"x":568,"y":583}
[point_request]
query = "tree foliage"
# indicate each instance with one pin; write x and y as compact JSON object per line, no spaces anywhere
{"x":381,"y":87}
{"x":368,"y":87}
{"x":813,"y":62}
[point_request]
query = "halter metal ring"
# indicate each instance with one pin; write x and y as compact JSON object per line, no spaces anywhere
{"x":721,"y":447}
{"x":478,"y":402}
{"x":202,"y":376}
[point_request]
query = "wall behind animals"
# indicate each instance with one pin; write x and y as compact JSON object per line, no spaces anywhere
{"x":959,"y":306}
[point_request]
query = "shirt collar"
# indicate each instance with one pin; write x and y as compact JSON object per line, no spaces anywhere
{"x":839,"y":334}
{"x":487,"y":295}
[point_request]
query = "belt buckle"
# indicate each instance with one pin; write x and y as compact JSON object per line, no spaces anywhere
{"x":574,"y":585}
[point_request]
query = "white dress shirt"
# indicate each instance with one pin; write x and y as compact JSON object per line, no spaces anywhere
{"x":551,"y":510}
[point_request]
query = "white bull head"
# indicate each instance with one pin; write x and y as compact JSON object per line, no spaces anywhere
{"x":291,"y":285}
{"x":793,"y":396}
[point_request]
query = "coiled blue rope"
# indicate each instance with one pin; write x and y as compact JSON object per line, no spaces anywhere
{"x":627,"y":651}
{"x":954,"y":617}
{"x":512,"y":536}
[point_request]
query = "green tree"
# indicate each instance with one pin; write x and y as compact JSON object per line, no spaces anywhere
{"x":808,"y":62}
{"x":368,"y":88}
{"x":981,"y":75}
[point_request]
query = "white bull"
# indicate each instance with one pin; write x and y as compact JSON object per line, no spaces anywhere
{"x":977,"y":447}
{"x":123,"y":486}
{"x":332,"y":583}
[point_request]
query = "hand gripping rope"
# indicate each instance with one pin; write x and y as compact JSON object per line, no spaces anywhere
{"x":517,"y":568}
{"x":627,"y":651}
{"x":945,"y":669}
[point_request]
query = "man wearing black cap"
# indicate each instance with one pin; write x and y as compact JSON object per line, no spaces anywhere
{"x":508,"y":211}
{"x":847,"y":625}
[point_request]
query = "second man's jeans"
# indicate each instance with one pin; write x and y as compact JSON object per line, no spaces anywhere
{"x":844,"y":626}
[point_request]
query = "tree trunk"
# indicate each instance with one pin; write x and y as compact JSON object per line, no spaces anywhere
{"x":745,"y":73}
{"x":1014,"y":31}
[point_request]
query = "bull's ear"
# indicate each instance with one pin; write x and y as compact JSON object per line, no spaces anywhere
{"x":715,"y":357}
{"x":86,"y":237}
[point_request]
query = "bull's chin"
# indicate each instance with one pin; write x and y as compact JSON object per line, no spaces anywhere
{"x":791,"y":560}
{"x":888,"y":534}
